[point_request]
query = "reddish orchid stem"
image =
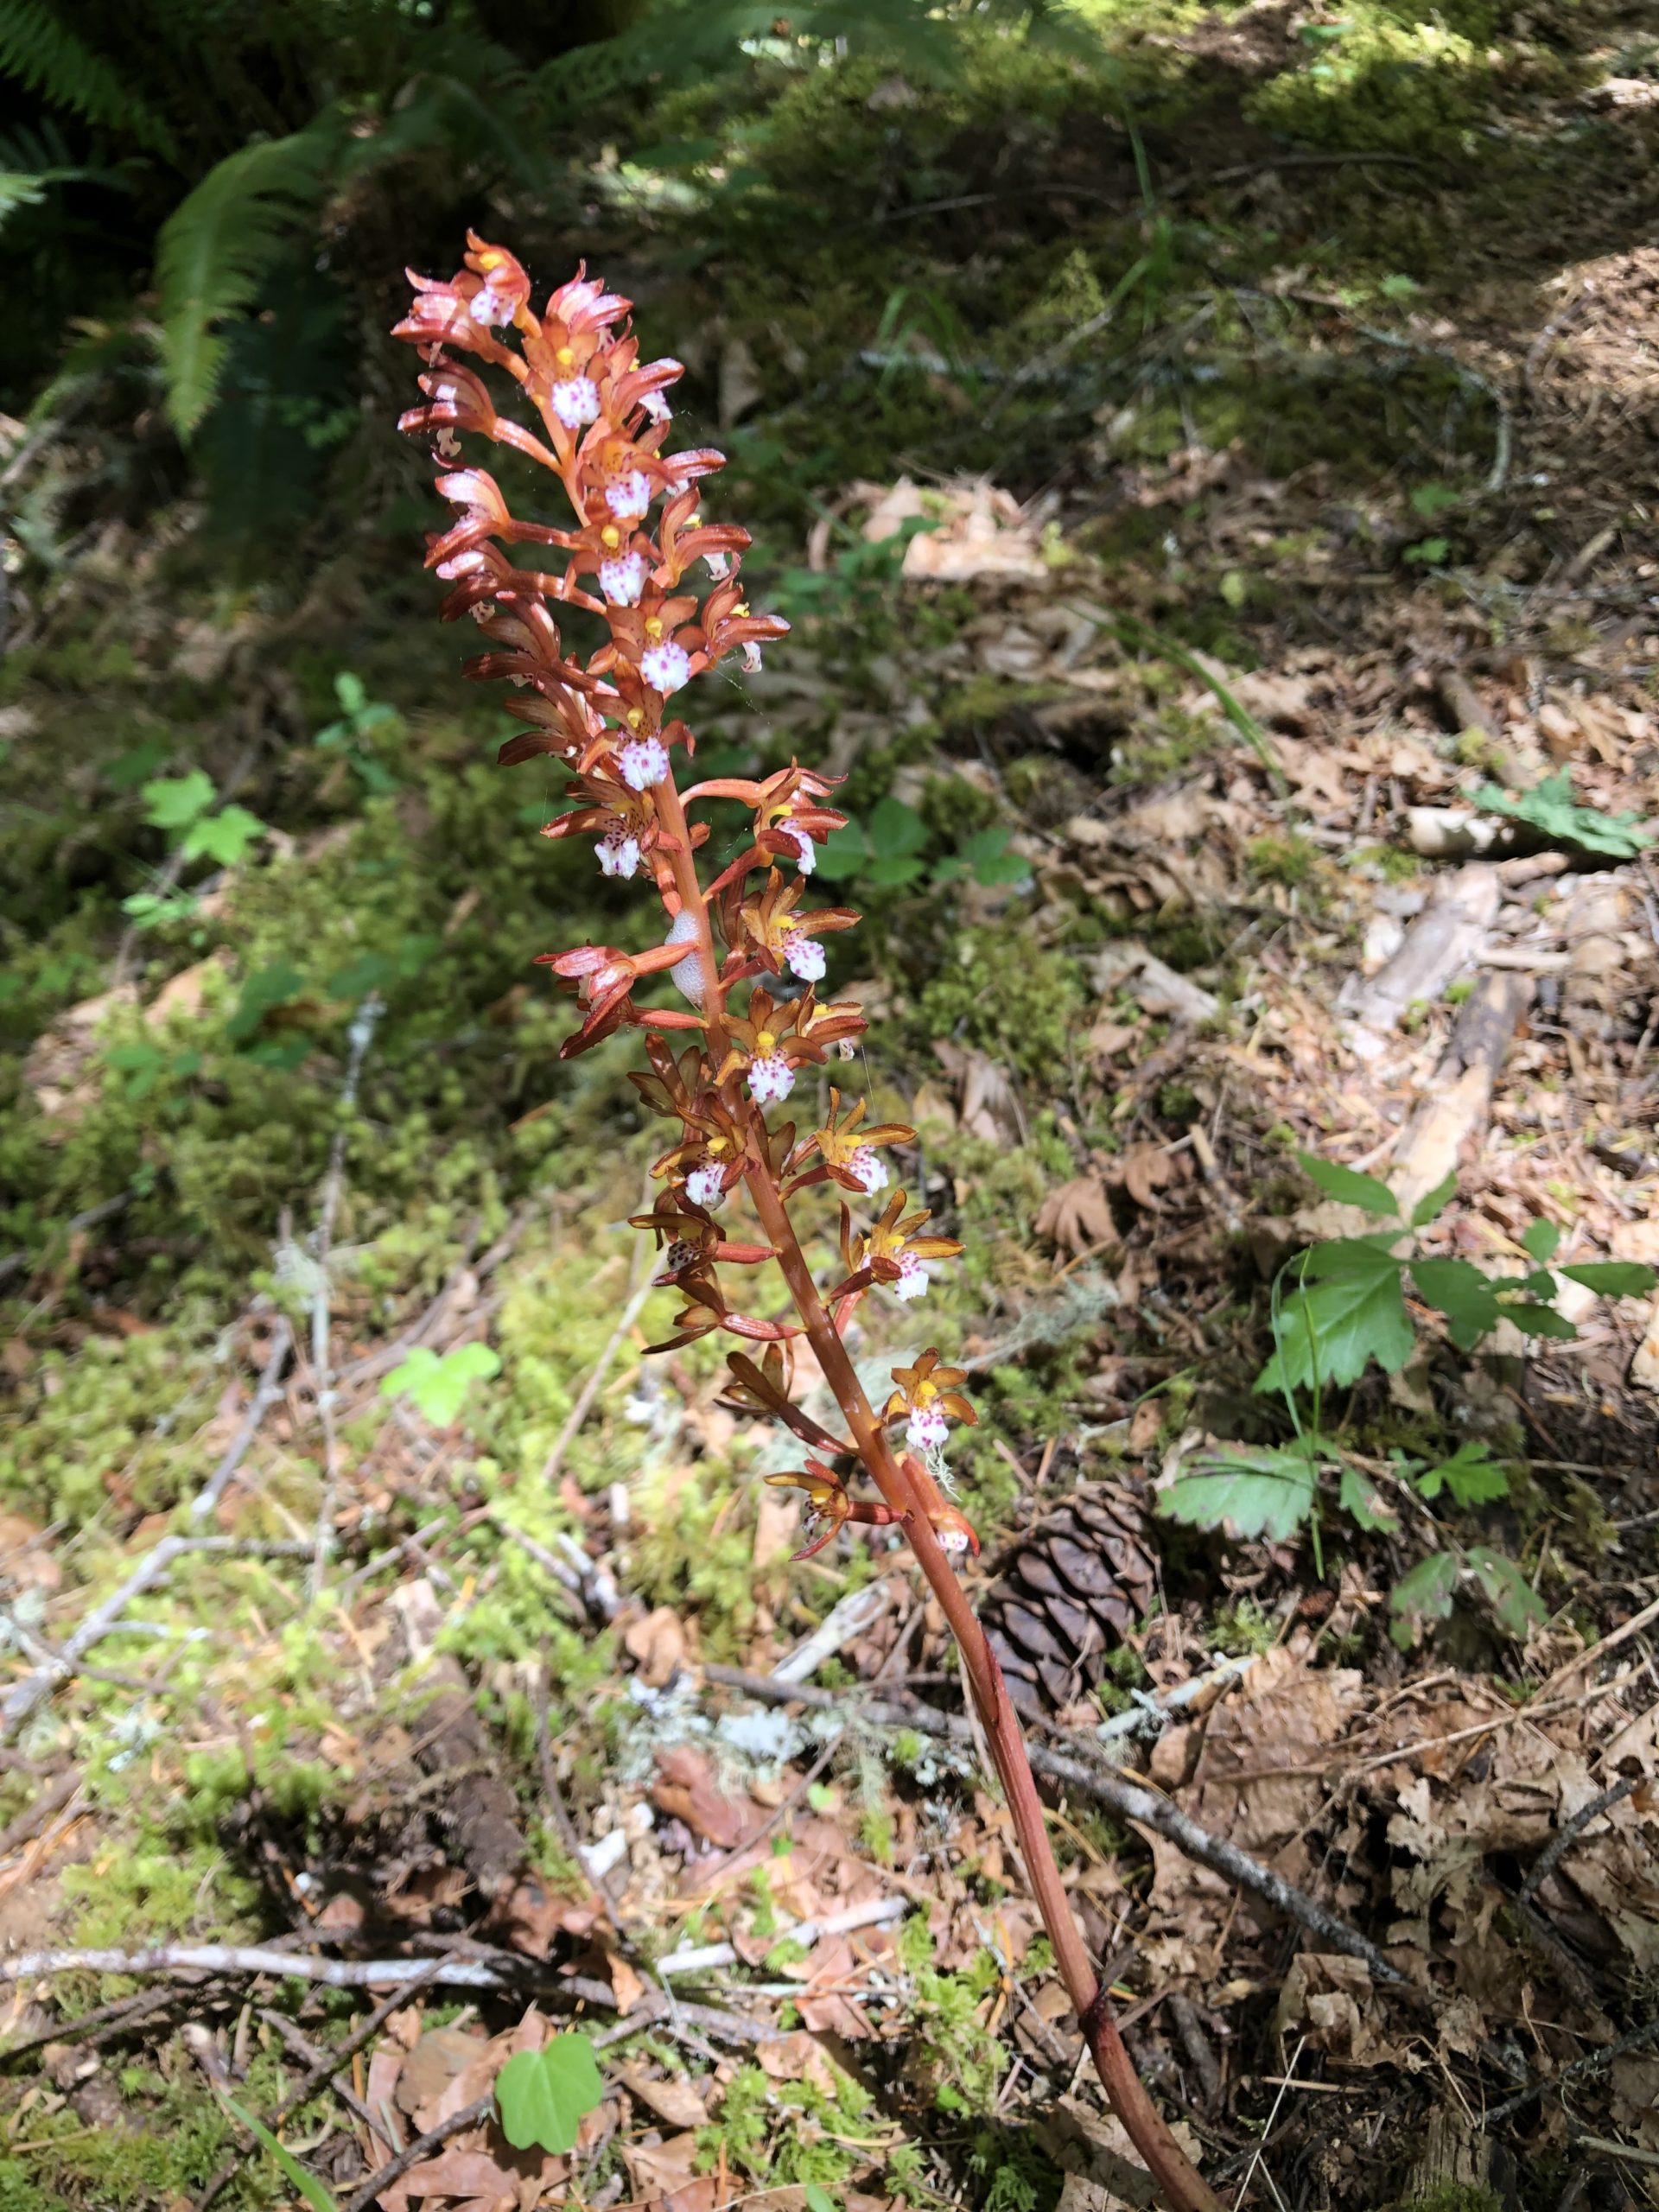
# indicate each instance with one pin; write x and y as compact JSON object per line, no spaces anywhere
{"x":604,"y":717}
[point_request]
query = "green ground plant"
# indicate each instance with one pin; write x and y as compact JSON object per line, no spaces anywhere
{"x":1337,"y":1306}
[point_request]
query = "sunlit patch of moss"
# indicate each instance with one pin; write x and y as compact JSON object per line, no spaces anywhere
{"x":157,"y":1892}
{"x":1281,"y":856}
{"x":1383,"y":82}
{"x":955,"y":2062}
{"x":780,"y":2132}
{"x":1012,"y":999}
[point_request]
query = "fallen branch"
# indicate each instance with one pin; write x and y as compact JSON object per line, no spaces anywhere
{"x":395,"y":2169}
{"x":270,"y":1390}
{"x":1459,"y":1097}
{"x":1551,"y":1856}
{"x":1443,"y":940}
{"x":360,"y":1037}
{"x":1143,"y":1807}
{"x":321,"y":2069}
{"x":703,"y":1958}
{"x":1592,"y":2062}
{"x":23,"y":1697}
{"x":498,"y":1972}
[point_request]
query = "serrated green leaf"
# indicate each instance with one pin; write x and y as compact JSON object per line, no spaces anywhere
{"x":1425,"y":1594}
{"x":1515,"y":1604}
{"x":1549,"y":809}
{"x":1348,"y":1186}
{"x":1327,"y":1330}
{"x":1471,"y":1475}
{"x":1540,"y":1239}
{"x":1251,"y":1493}
{"x":225,"y":837}
{"x":896,"y":830}
{"x":264,"y":991}
{"x":842,"y":854}
{"x":1362,"y":1259}
{"x":544,"y":2095}
{"x":1430,"y":1207}
{"x":893,"y":870}
{"x":438,"y":1388}
{"x":315,"y":2195}
{"x":1613,"y":1278}
{"x":1464,"y":1293}
{"x":369,"y":971}
{"x":1358,"y":1495}
{"x":174,"y":802}
{"x":1535,"y":1321}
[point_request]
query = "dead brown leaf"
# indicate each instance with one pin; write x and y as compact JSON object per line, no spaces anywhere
{"x":435,"y":2061}
{"x":1077,"y":1217}
{"x":658,"y":1642}
{"x":686,"y":1790}
{"x":676,"y":2102}
{"x":1143,"y":1170}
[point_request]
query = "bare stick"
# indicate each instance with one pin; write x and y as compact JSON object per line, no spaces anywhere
{"x":360,"y":1037}
{"x":1592,"y":2062}
{"x":1551,"y":1856}
{"x":1124,"y":1798}
{"x":590,"y":1388}
{"x":395,"y":2169}
{"x":321,"y":2068}
{"x":23,"y":1698}
{"x":270,"y":1390}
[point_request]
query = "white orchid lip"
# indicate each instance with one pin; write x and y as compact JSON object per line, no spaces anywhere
{"x":575,"y":402}
{"x":642,"y":762}
{"x":771,"y":1079}
{"x":665,"y":667}
{"x":623,"y":580}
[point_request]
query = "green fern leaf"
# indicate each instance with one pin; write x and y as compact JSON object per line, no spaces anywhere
{"x":217,"y":246}
{"x":39,"y":50}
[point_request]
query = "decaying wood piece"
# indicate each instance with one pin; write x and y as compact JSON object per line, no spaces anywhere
{"x":1444,"y":939}
{"x":1459,"y":1097}
{"x":480,"y":1812}
{"x":1449,"y":833}
{"x":1456,"y":2160}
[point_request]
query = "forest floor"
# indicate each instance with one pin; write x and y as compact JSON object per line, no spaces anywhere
{"x":367,"y":1597}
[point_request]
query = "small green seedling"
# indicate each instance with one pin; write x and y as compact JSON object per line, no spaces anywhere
{"x":544,"y":2095}
{"x":439,"y":1388}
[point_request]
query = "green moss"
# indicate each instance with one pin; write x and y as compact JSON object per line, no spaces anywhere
{"x":1281,"y":856}
{"x":998,"y":991}
{"x":790,"y":2132}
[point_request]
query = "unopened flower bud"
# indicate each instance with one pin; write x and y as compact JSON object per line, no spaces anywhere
{"x":686,"y":974}
{"x":643,"y":761}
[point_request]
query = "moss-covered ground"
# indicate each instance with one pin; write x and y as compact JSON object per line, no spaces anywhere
{"x":1255,"y":310}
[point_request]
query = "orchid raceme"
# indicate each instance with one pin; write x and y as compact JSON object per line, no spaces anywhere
{"x":742,"y":954}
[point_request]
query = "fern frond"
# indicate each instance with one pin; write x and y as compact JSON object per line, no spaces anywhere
{"x":215,"y":249}
{"x":39,"y":49}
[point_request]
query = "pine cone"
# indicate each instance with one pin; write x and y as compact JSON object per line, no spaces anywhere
{"x":1064,"y":1594}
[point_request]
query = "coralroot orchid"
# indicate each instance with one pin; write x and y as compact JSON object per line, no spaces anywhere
{"x":603,"y":421}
